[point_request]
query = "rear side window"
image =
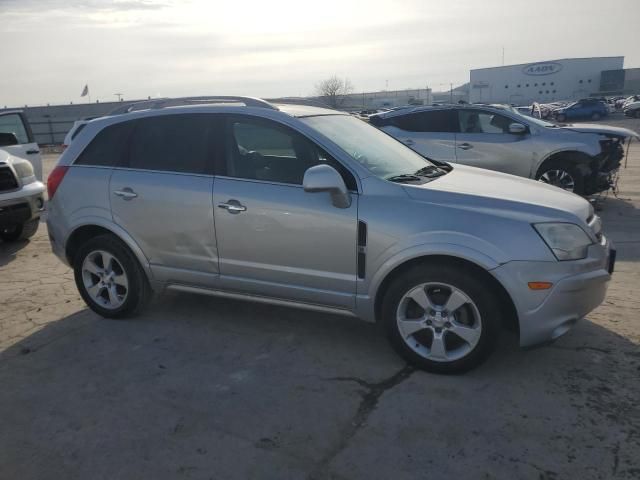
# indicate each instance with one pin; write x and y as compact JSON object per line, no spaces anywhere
{"x":108,"y":147}
{"x":175,"y":143}
{"x":430,"y":121}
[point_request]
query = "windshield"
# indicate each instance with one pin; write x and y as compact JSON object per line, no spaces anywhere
{"x":535,"y":120}
{"x":379,"y":153}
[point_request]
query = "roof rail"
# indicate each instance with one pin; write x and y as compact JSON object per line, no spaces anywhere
{"x":181,"y":101}
{"x":310,"y":102}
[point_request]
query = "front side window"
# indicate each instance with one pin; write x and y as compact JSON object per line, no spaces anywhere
{"x":378,"y":152}
{"x":263,"y":150}
{"x":175,"y":143}
{"x":12,"y":123}
{"x":478,"y":121}
{"x":427,"y":121}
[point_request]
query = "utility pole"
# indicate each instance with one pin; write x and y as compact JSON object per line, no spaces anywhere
{"x":119,"y":95}
{"x":451,"y":92}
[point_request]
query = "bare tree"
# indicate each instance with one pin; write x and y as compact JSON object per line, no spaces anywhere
{"x":334,"y":90}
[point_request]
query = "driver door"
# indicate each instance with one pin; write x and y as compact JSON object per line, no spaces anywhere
{"x":274,"y":238}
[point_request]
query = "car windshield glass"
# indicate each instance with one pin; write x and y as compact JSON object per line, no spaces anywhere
{"x":381,"y":154}
{"x":535,"y":120}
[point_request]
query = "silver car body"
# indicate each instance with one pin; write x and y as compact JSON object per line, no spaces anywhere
{"x":296,"y":248}
{"x":517,"y":154}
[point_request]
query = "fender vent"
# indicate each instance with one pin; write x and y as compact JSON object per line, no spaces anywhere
{"x":362,"y":249}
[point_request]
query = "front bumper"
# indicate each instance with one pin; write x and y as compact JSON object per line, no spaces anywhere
{"x":21,"y":205}
{"x":578,"y":288}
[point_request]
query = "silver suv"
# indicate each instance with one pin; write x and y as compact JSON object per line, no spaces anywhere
{"x":581,"y":158}
{"x":312,"y":208}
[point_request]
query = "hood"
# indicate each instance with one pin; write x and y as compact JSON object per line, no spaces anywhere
{"x":476,"y":188}
{"x":600,"y":129}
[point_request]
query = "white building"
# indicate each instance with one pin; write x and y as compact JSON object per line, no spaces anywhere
{"x":565,"y":79}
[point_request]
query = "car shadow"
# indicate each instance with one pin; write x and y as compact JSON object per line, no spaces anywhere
{"x":621,"y":224}
{"x":9,"y":250}
{"x":275,"y":389}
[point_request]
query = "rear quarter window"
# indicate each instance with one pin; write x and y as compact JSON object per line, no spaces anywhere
{"x":108,"y":147}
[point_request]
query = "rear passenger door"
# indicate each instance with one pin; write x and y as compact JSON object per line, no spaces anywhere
{"x":27,"y":148}
{"x":430,"y":133}
{"x":161,"y":195}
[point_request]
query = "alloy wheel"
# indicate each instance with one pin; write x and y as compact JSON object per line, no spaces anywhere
{"x":104,"y":279}
{"x":439,"y":322}
{"x":559,"y":178}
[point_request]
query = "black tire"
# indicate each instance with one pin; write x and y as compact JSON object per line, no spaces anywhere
{"x":561,"y":117}
{"x":475,"y":287}
{"x":138,"y":291}
{"x":20,"y":232}
{"x":563,"y":166}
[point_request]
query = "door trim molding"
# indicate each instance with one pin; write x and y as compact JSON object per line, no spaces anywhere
{"x":261,"y":299}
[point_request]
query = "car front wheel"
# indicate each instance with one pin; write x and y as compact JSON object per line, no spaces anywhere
{"x":109,"y":277}
{"x":441,"y":318}
{"x":20,"y":231}
{"x":562,"y":174}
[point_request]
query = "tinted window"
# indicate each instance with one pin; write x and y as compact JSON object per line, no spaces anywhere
{"x":262,"y":150}
{"x":12,"y":123}
{"x":478,"y":121}
{"x":176,"y":143}
{"x":108,"y":147}
{"x":432,"y":121}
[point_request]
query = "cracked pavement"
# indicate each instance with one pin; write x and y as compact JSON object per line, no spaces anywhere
{"x":206,"y":388}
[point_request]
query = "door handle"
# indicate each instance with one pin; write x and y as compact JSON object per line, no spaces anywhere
{"x":408,"y":141}
{"x":233,"y":206}
{"x":465,"y":146}
{"x":32,"y":152}
{"x":125,"y":193}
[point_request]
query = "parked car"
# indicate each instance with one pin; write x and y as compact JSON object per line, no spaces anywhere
{"x":586,"y":108}
{"x":21,"y":194}
{"x":15,"y":122}
{"x":313,"y":208}
{"x":579,"y":158}
{"x":632,"y":109}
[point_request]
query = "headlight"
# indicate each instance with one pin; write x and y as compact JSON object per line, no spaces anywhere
{"x":567,"y":241}
{"x":24,"y":170}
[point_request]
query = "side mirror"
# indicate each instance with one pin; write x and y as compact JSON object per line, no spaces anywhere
{"x":517,"y":128}
{"x":323,"y":178}
{"x":8,"y":139}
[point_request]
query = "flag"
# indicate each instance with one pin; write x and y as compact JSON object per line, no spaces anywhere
{"x":85,"y":91}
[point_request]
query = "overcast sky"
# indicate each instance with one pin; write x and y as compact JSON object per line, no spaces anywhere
{"x":51,"y":48}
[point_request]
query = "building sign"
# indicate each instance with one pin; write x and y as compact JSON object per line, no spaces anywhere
{"x":542,"y":68}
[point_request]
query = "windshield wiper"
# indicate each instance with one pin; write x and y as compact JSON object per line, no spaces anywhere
{"x":430,"y":171}
{"x":405,"y":177}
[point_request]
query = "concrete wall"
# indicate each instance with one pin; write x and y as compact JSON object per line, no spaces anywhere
{"x":50,"y":124}
{"x":565,"y":79}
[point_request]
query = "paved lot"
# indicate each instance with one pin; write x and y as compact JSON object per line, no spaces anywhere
{"x":204,"y":388}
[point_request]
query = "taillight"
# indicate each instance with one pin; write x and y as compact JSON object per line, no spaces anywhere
{"x":55,"y":179}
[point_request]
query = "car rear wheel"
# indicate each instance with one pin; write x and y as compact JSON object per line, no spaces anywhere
{"x":440,"y":318}
{"x":562,"y":174}
{"x":109,"y":277}
{"x":20,"y":231}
